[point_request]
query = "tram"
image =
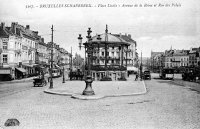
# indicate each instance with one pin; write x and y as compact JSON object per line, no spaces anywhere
{"x":56,"y":73}
{"x":167,"y":73}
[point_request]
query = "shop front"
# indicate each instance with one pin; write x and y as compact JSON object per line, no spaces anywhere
{"x":20,"y":73}
{"x":7,"y":74}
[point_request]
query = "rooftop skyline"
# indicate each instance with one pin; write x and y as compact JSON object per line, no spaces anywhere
{"x":153,"y":28}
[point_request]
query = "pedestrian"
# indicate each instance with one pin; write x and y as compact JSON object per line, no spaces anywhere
{"x":136,"y":77}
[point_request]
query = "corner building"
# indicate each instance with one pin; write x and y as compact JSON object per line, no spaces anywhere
{"x":110,"y":56}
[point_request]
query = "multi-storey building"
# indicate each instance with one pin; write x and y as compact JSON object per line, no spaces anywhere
{"x":180,"y":58}
{"x":176,"y":58}
{"x":131,"y":53}
{"x":60,"y":56}
{"x":10,"y":52}
{"x":194,"y":56}
{"x":28,"y":47}
{"x":65,"y":59}
{"x":22,"y":51}
{"x":42,"y":53}
{"x":157,"y":61}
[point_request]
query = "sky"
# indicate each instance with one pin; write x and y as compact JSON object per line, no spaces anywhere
{"x":155,"y":28}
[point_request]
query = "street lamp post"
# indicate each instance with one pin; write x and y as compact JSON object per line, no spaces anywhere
{"x":88,"y":89}
{"x":141,"y":73}
{"x":51,"y":70}
{"x":0,"y":57}
{"x":63,"y":75}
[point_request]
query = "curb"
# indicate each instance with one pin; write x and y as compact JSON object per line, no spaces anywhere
{"x":58,"y":93}
{"x":84,"y":97}
{"x":95,"y":97}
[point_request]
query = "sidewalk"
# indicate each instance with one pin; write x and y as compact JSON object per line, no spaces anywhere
{"x":102,"y":89}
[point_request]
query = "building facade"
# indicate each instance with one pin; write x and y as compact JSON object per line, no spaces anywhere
{"x":22,"y":51}
{"x":194,"y":57}
{"x":11,"y":53}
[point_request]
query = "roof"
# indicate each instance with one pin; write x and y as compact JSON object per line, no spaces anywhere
{"x":21,"y":70}
{"x":156,"y":53}
{"x":5,"y":32}
{"x":43,"y":44}
{"x":125,"y":37}
{"x":109,"y":38}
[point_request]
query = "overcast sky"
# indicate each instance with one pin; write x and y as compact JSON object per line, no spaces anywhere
{"x":153,"y":28}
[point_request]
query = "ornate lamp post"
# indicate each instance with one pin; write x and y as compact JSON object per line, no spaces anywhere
{"x":88,"y":46}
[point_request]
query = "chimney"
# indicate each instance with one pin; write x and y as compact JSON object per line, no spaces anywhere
{"x":28,"y":27}
{"x":35,"y":32}
{"x":3,"y":25}
{"x":42,"y":40}
{"x":129,"y":35}
{"x":13,"y":27}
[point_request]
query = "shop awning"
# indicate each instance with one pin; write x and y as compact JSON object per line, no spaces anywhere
{"x":132,"y":68}
{"x":21,"y":70}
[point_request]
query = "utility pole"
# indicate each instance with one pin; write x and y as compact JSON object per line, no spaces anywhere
{"x":51,"y":70}
{"x":141,"y":67}
{"x":71,"y":60}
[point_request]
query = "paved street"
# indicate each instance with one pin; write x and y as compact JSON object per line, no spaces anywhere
{"x":13,"y":88}
{"x":165,"y":105}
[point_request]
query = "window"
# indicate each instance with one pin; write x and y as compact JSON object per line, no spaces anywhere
{"x":102,"y":53}
{"x":112,"y":54}
{"x":5,"y":58}
{"x":117,"y":54}
{"x":5,"y":45}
